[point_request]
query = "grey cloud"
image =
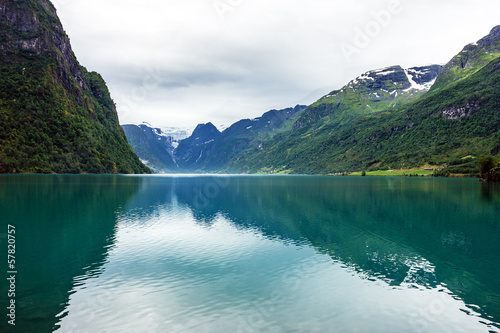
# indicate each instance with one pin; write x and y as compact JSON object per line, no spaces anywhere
{"x":181,"y":63}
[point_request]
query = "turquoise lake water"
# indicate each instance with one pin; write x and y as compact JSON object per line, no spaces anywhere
{"x":251,"y":254}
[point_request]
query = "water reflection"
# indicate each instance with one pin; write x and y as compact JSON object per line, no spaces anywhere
{"x":490,"y":191}
{"x":65,"y":226}
{"x":248,"y":240}
{"x":279,"y":254}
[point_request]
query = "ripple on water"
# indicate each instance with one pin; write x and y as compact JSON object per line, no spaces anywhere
{"x":167,"y":271}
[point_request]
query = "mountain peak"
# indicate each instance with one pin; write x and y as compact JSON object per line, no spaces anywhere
{"x":207,"y":128}
{"x":472,"y":58}
{"x":395,"y":78}
{"x":495,"y":31}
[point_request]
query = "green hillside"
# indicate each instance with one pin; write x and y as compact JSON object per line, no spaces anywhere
{"x":450,"y":125}
{"x":55,"y":116}
{"x":471,"y":59}
{"x":370,"y":92}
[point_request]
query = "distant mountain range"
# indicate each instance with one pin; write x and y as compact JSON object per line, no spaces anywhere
{"x":390,"y":118}
{"x":207,"y":149}
{"x":57,"y":117}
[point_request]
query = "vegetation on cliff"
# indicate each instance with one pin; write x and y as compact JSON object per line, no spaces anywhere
{"x":55,"y":116}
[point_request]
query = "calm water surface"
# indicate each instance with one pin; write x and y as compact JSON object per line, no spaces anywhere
{"x":252,"y":254}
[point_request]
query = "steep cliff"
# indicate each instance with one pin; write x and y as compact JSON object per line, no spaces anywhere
{"x":55,"y":116}
{"x":472,"y":58}
{"x":153,"y":146}
{"x":194,"y":151}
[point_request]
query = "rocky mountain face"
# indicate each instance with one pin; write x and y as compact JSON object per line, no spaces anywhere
{"x":371,"y":92}
{"x":55,"y":116}
{"x":194,"y":150}
{"x":32,"y":27}
{"x":153,"y":146}
{"x":471,"y":59}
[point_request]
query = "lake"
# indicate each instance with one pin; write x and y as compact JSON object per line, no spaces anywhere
{"x":251,"y":254}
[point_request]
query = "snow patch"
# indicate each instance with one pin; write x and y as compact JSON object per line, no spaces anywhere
{"x":160,"y":133}
{"x":414,"y":71}
{"x":331,"y":95}
{"x":177,"y":133}
{"x":365,"y":77}
{"x":201,"y":154}
{"x":385,"y":73}
{"x":415,"y":85}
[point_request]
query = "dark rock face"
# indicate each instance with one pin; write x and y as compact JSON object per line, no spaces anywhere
{"x":23,"y":26}
{"x":379,"y":79}
{"x":426,"y":74}
{"x":454,"y":112}
{"x":396,"y":78}
{"x":153,"y":147}
{"x":193,"y":151}
{"x":204,"y":132}
{"x":491,"y":40}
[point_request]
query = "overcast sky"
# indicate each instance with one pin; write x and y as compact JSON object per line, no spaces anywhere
{"x":184,"y":62}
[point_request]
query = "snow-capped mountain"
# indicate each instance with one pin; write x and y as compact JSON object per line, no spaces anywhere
{"x":177,"y":133}
{"x":387,"y":84}
{"x":372,"y":91}
{"x":154,"y":147}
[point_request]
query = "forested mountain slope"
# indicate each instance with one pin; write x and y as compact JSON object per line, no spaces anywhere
{"x":55,"y":116}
